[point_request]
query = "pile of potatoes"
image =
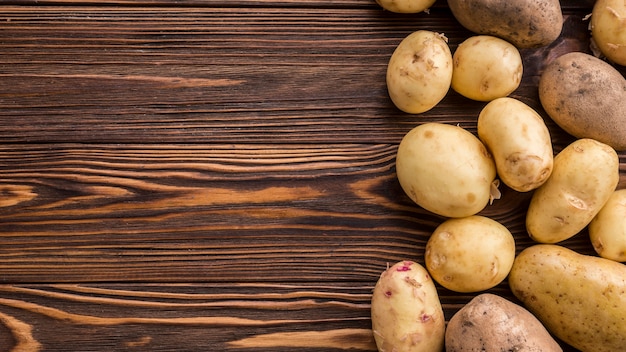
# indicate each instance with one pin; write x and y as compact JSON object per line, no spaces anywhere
{"x":451,"y":172}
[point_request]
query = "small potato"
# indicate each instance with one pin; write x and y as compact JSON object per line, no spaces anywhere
{"x":492,"y":323}
{"x":608,"y":29}
{"x":519,"y":141}
{"x":586,"y":97}
{"x":608,"y":229}
{"x":405,"y":310}
{"x":419,"y":72}
{"x":470,"y":254}
{"x":580,"y":299}
{"x":584,"y":176}
{"x":524,"y":23}
{"x":445,"y":169}
{"x":486,"y":68}
{"x":405,"y":6}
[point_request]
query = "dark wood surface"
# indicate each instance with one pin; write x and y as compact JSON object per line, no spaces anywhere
{"x":215,"y":175}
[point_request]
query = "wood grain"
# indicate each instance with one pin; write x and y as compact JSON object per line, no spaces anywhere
{"x":215,"y":176}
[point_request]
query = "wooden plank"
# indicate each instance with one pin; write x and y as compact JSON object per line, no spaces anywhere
{"x":221,"y":75}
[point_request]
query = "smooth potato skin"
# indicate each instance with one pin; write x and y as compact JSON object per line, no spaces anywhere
{"x":470,"y":254}
{"x":445,"y":169}
{"x":607,"y":230}
{"x":406,"y":312}
{"x":525,"y":24}
{"x":419,"y":72}
{"x":580,"y":299}
{"x":405,"y":6}
{"x":584,"y":175}
{"x":486,"y":68}
{"x":519,"y":141}
{"x":491,"y":323}
{"x":608,"y":29}
{"x":586,"y":97}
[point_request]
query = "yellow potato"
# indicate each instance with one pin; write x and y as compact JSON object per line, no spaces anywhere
{"x":405,"y":6}
{"x":445,"y":169}
{"x":470,"y":254}
{"x":519,"y":141}
{"x":405,"y":310}
{"x":586,"y":97}
{"x":608,"y":29}
{"x":607,"y":230}
{"x":419,"y":72}
{"x":486,"y":68}
{"x":584,"y":176}
{"x":524,"y":23}
{"x":580,"y":299}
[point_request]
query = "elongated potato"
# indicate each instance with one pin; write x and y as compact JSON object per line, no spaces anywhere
{"x":608,"y":29}
{"x":524,"y":23}
{"x":519,"y":141}
{"x":607,"y":230}
{"x":406,"y":312}
{"x":419,"y":72}
{"x":445,"y":169}
{"x":584,"y":176}
{"x":492,"y":323}
{"x":586,"y":97}
{"x":580,"y":299}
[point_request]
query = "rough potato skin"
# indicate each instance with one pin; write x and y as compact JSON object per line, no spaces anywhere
{"x":580,"y":299}
{"x":491,"y":323}
{"x":586,"y":97}
{"x":525,"y":24}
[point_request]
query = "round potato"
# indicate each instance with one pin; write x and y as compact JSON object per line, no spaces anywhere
{"x":608,"y":29}
{"x":584,"y":176}
{"x":445,"y":169}
{"x":405,"y":6}
{"x":419,"y":72}
{"x":405,"y":310}
{"x":586,"y":97}
{"x":486,"y":68}
{"x":492,"y":323}
{"x":470,"y":254}
{"x":524,"y":23}
{"x":519,"y":141}
{"x":607,"y":230}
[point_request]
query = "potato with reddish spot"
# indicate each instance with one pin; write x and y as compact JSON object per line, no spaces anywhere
{"x":406,"y":312}
{"x":580,"y":299}
{"x":607,"y":230}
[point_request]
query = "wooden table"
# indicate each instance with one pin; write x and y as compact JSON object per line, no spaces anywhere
{"x":212,"y":175}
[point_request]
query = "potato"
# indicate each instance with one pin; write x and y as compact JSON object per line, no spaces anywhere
{"x":607,"y":230}
{"x":586,"y":97}
{"x":419,"y":72}
{"x":486,"y":68}
{"x":580,"y":299}
{"x":492,"y":323}
{"x":470,"y":254}
{"x":525,"y":24}
{"x":519,"y":141}
{"x":584,"y":176}
{"x":406,"y":312}
{"x":405,"y":6}
{"x":445,"y":169}
{"x":608,"y":29}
